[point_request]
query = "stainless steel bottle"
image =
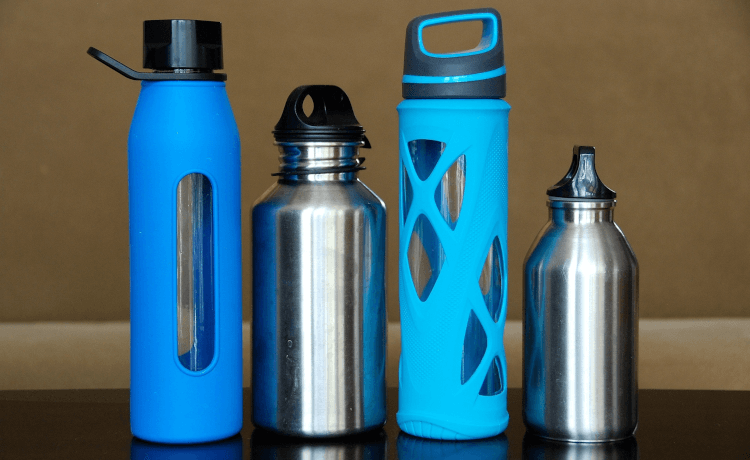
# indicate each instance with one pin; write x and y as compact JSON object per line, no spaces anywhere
{"x":319,"y":319}
{"x":580,"y":316}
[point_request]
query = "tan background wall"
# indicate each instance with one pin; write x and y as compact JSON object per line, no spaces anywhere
{"x":661,"y":88}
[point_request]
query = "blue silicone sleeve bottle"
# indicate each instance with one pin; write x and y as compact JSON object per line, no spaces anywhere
{"x":185,"y":246}
{"x":181,"y":128}
{"x":453,"y":130}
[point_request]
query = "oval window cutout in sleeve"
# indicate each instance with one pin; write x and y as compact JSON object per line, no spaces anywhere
{"x":442,"y":40}
{"x":196,"y":312}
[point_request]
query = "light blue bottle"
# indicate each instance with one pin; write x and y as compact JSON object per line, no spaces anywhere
{"x":453,"y":234}
{"x":185,"y":250}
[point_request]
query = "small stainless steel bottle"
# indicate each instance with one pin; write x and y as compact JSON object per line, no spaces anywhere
{"x":319,"y":319}
{"x":580,"y":331}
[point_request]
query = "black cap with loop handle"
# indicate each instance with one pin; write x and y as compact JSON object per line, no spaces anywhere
{"x":332,"y":118}
{"x":478,"y":73}
{"x":178,"y":49}
{"x":581,"y":182}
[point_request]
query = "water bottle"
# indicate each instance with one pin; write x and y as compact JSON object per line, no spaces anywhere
{"x":319,"y":320}
{"x":580,"y":332}
{"x":185,"y":246}
{"x":453,"y":234}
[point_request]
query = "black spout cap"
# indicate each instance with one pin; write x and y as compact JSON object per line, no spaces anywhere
{"x":170,"y":44}
{"x":332,"y":118}
{"x":581,"y":182}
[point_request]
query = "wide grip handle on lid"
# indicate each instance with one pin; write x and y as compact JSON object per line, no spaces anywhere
{"x":475,"y":73}
{"x":127,"y":72}
{"x":332,"y":118}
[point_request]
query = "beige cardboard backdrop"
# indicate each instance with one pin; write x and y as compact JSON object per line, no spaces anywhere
{"x":661,"y":88}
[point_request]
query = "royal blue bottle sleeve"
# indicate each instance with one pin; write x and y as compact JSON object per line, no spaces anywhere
{"x":182,"y":128}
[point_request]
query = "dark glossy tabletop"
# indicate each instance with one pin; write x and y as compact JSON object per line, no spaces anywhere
{"x":83,"y":424}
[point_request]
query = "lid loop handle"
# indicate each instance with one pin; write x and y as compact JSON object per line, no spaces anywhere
{"x":127,"y":72}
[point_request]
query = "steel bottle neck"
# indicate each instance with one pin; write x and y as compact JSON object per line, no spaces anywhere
{"x":319,"y":161}
{"x":581,"y":212}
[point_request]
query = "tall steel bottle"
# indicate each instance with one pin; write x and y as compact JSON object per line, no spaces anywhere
{"x":319,"y":319}
{"x":580,"y":332}
{"x":185,"y":251}
{"x":453,"y":129}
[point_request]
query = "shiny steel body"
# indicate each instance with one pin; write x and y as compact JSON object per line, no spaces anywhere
{"x":319,"y":319}
{"x":580,"y":326}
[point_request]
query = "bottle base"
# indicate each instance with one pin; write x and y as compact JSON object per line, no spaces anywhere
{"x":182,"y":439}
{"x":449,"y":431}
{"x":319,"y":434}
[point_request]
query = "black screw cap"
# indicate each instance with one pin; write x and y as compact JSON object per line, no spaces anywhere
{"x":581,"y":181}
{"x":332,"y":118}
{"x":170,"y":44}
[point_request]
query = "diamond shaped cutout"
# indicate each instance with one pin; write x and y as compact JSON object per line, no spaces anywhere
{"x":407,"y":194}
{"x":449,"y":194}
{"x":475,"y":344}
{"x":425,"y":154}
{"x":426,"y":257}
{"x":493,"y":382}
{"x":491,"y":280}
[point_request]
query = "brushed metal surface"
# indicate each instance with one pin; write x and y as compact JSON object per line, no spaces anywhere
{"x":319,"y":333}
{"x":580,"y":329}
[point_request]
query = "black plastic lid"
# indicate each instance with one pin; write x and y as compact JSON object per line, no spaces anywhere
{"x":332,"y":118}
{"x":170,"y":44}
{"x":581,"y":181}
{"x":472,"y":74}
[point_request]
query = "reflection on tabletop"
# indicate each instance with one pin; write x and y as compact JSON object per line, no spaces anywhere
{"x":414,"y":448}
{"x":228,"y":449}
{"x":267,"y":445}
{"x":374,"y":446}
{"x":539,"y":448}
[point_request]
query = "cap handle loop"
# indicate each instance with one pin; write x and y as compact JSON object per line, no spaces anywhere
{"x":490,"y":31}
{"x":127,"y":72}
{"x":331,"y":119}
{"x":478,"y":73}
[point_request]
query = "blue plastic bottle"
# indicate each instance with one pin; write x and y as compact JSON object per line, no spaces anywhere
{"x":185,"y":250}
{"x":453,"y":234}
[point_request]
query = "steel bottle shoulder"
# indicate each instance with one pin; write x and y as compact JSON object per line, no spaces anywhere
{"x":323,"y":196}
{"x":590,"y":248}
